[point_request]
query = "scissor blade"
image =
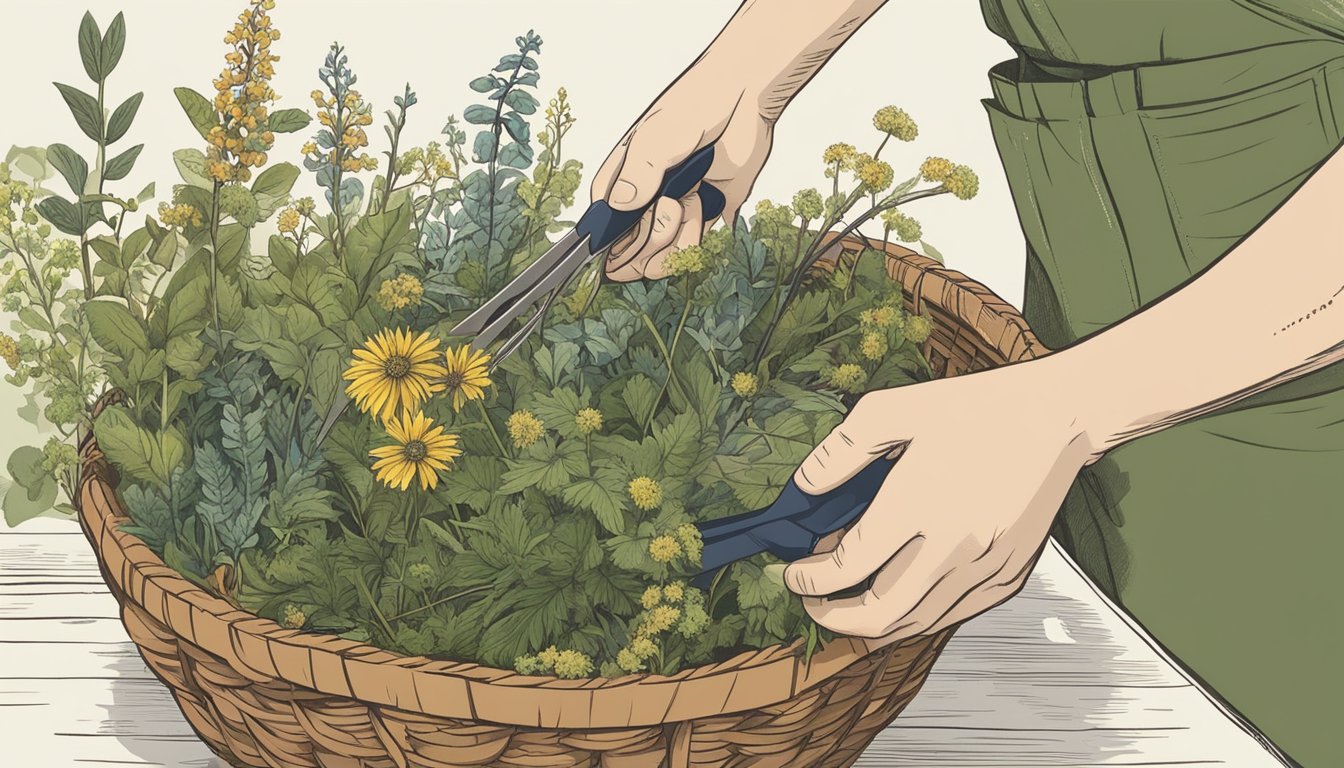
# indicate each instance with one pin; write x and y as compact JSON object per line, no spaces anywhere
{"x":551,"y":281}
{"x":508,"y":304}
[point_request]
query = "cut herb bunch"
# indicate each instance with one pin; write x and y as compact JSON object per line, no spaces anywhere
{"x":536,"y":516}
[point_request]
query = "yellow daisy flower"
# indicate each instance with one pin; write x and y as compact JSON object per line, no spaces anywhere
{"x":422,"y":450}
{"x":394,"y":371}
{"x":467,"y":374}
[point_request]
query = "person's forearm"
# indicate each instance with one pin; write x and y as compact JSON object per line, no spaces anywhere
{"x":1269,"y":311}
{"x":774,"y":47}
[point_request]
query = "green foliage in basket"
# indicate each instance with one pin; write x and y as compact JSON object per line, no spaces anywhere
{"x":539,"y":515}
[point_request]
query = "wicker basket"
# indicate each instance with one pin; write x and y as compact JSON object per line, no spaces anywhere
{"x":261,"y":695}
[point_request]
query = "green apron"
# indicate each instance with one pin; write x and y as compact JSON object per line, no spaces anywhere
{"x":1141,"y":140}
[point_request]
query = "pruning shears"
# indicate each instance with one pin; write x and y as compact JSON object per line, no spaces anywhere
{"x":790,"y":527}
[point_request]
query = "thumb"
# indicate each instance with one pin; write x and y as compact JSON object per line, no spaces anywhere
{"x":866,"y":434}
{"x":655,"y":147}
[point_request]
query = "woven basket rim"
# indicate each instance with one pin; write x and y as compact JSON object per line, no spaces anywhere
{"x":264,"y":651}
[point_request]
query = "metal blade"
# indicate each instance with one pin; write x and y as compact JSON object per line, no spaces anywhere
{"x":508,"y":304}
{"x":338,"y":406}
{"x":553,"y":280}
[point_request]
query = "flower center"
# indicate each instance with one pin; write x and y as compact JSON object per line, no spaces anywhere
{"x":415,"y":450}
{"x":397,"y":366}
{"x":454,"y":379}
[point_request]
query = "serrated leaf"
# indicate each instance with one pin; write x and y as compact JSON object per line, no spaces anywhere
{"x":603,"y":494}
{"x":85,"y":109}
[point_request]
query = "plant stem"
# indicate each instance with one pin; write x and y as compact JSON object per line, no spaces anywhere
{"x":214,"y":267}
{"x":442,"y":600}
{"x":662,"y":347}
{"x":485,"y":416}
{"x":373,"y":605}
{"x":671,"y":355}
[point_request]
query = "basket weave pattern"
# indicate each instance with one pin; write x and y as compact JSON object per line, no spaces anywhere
{"x":264,"y":696}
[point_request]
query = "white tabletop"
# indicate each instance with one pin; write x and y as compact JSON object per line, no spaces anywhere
{"x":1054,"y":677}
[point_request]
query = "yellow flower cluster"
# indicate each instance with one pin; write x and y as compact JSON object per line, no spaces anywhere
{"x":839,"y":155}
{"x":294,"y":617}
{"x":918,"y":328}
{"x":427,"y":164}
{"x":962,"y":182}
{"x":179,"y":215}
{"x":896,"y":122}
{"x":400,"y":292}
{"x":242,"y":96}
{"x":664,"y":549}
{"x":421,"y":572}
{"x":745,"y":384}
{"x":674,"y":592}
{"x":347,"y":118}
{"x":588,"y":420}
{"x":876,"y":175}
{"x":848,"y":377}
{"x":690,"y":539}
{"x":906,"y":228}
{"x":525,"y":429}
{"x":9,"y":351}
{"x":873,"y":346}
{"x":807,"y":203}
{"x":936,"y":169}
{"x":686,"y":261}
{"x":651,"y":597}
{"x":881,"y":317}
{"x":288,"y":221}
{"x":305,"y":206}
{"x":567,"y":664}
{"x":646,"y":493}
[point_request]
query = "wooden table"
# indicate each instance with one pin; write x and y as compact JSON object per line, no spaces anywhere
{"x":1054,"y":677}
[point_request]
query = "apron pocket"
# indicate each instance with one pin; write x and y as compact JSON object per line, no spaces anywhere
{"x":1226,"y":164}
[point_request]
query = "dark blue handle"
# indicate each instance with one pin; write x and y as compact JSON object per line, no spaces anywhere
{"x":791,"y":527}
{"x":604,"y":224}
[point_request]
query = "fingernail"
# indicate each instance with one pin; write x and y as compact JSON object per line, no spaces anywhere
{"x":622,"y":192}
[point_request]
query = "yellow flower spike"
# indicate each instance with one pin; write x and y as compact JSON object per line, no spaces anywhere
{"x":571,"y":665}
{"x":628,"y":661}
{"x":9,"y":352}
{"x":394,"y":371}
{"x":467,"y":374}
{"x":873,"y":346}
{"x":661,"y":619}
{"x":643,"y":647}
{"x":745,"y":384}
{"x":288,"y":221}
{"x":421,"y":451}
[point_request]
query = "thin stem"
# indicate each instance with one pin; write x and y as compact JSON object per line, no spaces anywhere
{"x":442,"y":600}
{"x":373,"y":605}
{"x":662,"y":347}
{"x":485,"y":416}
{"x":214,"y":266}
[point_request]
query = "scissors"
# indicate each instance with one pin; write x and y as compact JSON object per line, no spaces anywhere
{"x":790,"y":527}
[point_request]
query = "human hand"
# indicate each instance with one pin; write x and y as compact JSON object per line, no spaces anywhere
{"x":707,"y":105}
{"x":984,"y":463}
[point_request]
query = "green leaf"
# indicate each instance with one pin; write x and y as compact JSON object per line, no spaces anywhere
{"x":558,"y":410}
{"x":186,"y":355}
{"x":32,"y":161}
{"x":755,"y":588}
{"x":272,"y":187}
{"x":483,"y":148}
{"x":115,"y":328}
{"x":84,"y":107}
{"x":603,"y":494}
{"x":443,"y":536}
{"x":133,"y":450}
{"x":479,"y":114}
{"x":91,"y":47}
{"x":521,"y":101}
{"x":71,"y":166}
{"x":109,"y":252}
{"x":191,"y":166}
{"x":199,"y":110}
{"x":119,"y":166}
{"x":474,"y":481}
{"x":376,"y":241}
{"x":931,"y":252}
{"x":165,"y":250}
{"x":640,"y":396}
{"x":122,"y":117}
{"x":62,"y":214}
{"x":113,"y":44}
{"x":232,"y":246}
{"x":25,"y":466}
{"x":516,"y":155}
{"x":288,"y":120}
{"x":23,"y":504}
